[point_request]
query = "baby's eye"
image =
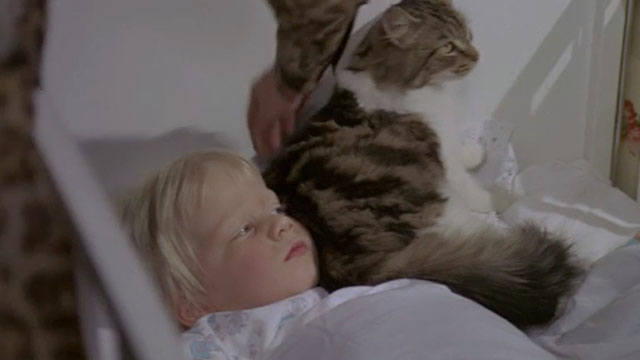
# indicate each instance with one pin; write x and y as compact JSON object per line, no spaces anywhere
{"x":244,"y":230}
{"x":280,"y":209}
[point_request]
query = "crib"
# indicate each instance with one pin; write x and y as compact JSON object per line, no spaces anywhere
{"x":123,"y":79}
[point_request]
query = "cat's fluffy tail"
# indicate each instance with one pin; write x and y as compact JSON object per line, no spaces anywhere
{"x":522,"y":274}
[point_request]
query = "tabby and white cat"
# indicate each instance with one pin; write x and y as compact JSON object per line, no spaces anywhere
{"x":377,"y":177}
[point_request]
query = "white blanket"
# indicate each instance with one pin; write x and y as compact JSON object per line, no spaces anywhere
{"x":400,"y":319}
{"x":419,"y":320}
{"x":414,"y":319}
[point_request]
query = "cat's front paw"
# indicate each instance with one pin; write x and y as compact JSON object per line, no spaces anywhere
{"x":472,"y":155}
{"x":480,"y":201}
{"x":501,"y":199}
{"x":495,"y":199}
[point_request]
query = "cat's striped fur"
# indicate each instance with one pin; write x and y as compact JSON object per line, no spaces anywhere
{"x":376,"y":187}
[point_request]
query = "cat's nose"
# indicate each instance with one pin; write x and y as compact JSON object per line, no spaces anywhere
{"x":472,"y":54}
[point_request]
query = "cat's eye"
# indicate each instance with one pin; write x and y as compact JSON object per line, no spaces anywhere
{"x":448,"y":49}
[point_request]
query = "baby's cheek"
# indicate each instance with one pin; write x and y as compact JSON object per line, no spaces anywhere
{"x":258,"y":266}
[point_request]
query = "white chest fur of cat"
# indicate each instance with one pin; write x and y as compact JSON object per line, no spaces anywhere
{"x":436,"y":105}
{"x":427,"y":91}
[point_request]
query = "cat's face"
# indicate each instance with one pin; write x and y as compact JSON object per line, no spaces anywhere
{"x":416,"y":43}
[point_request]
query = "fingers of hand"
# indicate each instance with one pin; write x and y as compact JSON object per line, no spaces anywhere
{"x":273,"y":137}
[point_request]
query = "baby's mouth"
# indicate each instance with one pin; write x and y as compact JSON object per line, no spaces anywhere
{"x":297,"y":248}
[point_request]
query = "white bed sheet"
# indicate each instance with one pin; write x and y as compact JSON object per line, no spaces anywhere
{"x":422,"y":320}
{"x":414,"y":319}
{"x":419,"y":320}
{"x":571,"y":199}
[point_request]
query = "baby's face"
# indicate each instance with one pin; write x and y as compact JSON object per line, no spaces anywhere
{"x":252,"y":253}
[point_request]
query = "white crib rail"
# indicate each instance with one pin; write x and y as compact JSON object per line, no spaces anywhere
{"x":149,"y":331}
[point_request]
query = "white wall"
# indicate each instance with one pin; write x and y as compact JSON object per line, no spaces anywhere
{"x":142,"y":67}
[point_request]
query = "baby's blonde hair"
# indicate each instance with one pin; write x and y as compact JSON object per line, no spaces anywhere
{"x":159,"y":216}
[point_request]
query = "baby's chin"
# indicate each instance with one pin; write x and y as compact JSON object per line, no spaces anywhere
{"x":309,"y":283}
{"x":308,"y":274}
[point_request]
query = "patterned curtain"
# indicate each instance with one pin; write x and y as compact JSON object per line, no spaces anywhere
{"x":38,"y":317}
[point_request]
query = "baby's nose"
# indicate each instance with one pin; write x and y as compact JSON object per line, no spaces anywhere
{"x":282,"y":225}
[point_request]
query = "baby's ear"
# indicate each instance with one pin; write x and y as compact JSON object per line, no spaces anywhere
{"x":397,"y":25}
{"x":187,"y":313}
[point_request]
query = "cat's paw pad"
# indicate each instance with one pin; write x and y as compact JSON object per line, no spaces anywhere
{"x":472,"y":155}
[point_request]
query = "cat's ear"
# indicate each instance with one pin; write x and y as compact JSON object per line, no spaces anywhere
{"x":397,"y":25}
{"x":360,"y":59}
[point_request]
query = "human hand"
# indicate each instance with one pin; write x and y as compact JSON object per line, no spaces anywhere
{"x":271,"y":113}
